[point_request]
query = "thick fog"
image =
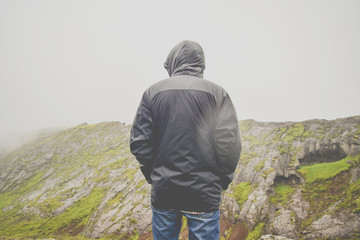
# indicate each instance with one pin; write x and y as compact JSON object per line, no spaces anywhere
{"x":63,"y":63}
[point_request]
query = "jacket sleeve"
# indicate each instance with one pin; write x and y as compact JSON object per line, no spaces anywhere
{"x":227,"y":141}
{"x":141,"y":138}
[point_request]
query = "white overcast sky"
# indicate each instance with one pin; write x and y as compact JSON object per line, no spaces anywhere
{"x":63,"y":63}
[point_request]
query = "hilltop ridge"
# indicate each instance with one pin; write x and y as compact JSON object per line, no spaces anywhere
{"x":295,"y":179}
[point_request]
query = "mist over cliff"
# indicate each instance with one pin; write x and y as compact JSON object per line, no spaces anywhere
{"x":299,"y":180}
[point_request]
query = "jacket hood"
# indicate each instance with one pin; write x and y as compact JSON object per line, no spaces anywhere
{"x":186,"y":58}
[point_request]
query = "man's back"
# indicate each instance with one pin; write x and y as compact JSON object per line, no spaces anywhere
{"x":186,"y":132}
{"x":186,"y":138}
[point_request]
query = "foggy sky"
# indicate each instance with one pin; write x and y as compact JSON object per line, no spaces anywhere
{"x":63,"y":63}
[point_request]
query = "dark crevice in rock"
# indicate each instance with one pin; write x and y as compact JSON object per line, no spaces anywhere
{"x":324,"y":155}
{"x":292,"y":180}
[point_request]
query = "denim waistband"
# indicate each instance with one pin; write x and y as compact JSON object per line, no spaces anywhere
{"x":194,"y":213}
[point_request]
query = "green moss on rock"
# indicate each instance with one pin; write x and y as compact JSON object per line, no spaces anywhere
{"x":256,"y":233}
{"x":246,"y":157}
{"x":241,"y":192}
{"x":16,"y":224}
{"x":282,"y":194}
{"x":260,"y":165}
{"x":324,"y":170}
{"x":245,"y":125}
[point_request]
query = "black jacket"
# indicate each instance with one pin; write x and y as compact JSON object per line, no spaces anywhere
{"x":185,"y":135}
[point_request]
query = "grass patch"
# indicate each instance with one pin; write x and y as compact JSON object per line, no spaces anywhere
{"x":353,"y":160}
{"x":91,"y":148}
{"x":241,"y":192}
{"x":82,"y":209}
{"x":22,"y":224}
{"x":282,"y":194}
{"x":256,"y":233}
{"x":322,"y":194}
{"x":324,"y":171}
{"x":50,"y":205}
{"x":10,"y":197}
{"x":352,"y":198}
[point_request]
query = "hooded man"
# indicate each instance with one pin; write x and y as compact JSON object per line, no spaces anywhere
{"x":186,"y":138}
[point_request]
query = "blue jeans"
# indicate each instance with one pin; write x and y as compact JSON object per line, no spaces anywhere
{"x":167,"y":224}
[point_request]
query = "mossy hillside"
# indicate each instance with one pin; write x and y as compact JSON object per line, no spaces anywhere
{"x":10,"y":197}
{"x":67,"y":150}
{"x":290,"y":132}
{"x":282,"y":136}
{"x":290,"y":138}
{"x":328,"y":184}
{"x":87,"y":156}
{"x":92,"y":159}
{"x":48,"y":206}
{"x":62,"y":238}
{"x":287,"y":135}
{"x":17,"y":222}
{"x":99,"y":148}
{"x":101,"y":152}
{"x":32,"y":225}
{"x":322,"y":194}
{"x":267,"y":146}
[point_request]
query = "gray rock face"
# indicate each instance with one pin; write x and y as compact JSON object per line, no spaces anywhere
{"x":298,"y":205}
{"x":355,"y":173}
{"x":341,"y":226}
{"x":273,"y":237}
{"x":284,"y":224}
{"x":89,"y":170}
{"x":273,"y":153}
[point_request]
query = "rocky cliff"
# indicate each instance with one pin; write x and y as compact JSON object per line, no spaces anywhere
{"x":295,"y":180}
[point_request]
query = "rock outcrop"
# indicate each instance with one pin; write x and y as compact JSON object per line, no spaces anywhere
{"x":272,"y":159}
{"x":294,"y":181}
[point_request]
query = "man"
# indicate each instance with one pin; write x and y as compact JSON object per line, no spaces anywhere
{"x":186,"y":138}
